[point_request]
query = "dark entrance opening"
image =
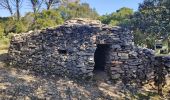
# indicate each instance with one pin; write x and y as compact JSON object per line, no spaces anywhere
{"x":100,"y":57}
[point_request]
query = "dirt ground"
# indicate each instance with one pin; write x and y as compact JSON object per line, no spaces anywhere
{"x":18,"y":84}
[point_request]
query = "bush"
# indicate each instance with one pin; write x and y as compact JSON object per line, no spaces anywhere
{"x":47,"y":18}
{"x":10,"y":35}
{"x":15,"y":26}
{"x":75,"y":10}
{"x":19,"y":27}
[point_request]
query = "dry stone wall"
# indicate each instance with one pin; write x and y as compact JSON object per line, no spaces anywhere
{"x":69,"y":50}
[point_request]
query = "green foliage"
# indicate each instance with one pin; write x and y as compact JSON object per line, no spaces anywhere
{"x":3,"y":19}
{"x":48,"y":18}
{"x":75,"y":10}
{"x":9,"y":24}
{"x":152,"y":20}
{"x":31,"y":21}
{"x":19,"y":27}
{"x":154,"y":16}
{"x":28,"y":21}
{"x":1,"y":31}
{"x":14,"y":26}
{"x":114,"y":22}
{"x":119,"y":17}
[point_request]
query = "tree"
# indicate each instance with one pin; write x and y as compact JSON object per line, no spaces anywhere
{"x":48,"y":18}
{"x":119,"y":17}
{"x":75,"y":10}
{"x":17,"y":4}
{"x":36,"y":5}
{"x":154,"y":16}
{"x":10,"y":4}
{"x":44,"y":19}
{"x":152,"y":20}
{"x":51,"y":3}
{"x":5,"y":4}
{"x":14,"y":26}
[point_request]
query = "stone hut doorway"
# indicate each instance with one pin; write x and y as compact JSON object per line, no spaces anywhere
{"x":101,"y":57}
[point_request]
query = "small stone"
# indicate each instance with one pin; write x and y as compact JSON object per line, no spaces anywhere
{"x":116,"y":76}
{"x":109,"y":82}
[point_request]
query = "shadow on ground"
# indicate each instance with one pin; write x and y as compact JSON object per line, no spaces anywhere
{"x":19,"y":84}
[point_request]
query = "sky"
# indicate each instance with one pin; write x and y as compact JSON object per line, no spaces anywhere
{"x":101,"y":6}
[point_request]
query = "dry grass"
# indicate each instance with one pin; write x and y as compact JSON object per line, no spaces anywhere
{"x":149,"y":92}
{"x":4,"y":43}
{"x":3,"y":51}
{"x":3,"y":47}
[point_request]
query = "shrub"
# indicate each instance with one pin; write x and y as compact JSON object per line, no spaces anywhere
{"x":19,"y":27}
{"x":15,"y":26}
{"x":47,"y":18}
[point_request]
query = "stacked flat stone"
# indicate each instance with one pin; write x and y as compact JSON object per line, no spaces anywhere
{"x":69,"y":50}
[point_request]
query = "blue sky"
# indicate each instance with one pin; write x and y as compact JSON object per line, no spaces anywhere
{"x":108,"y":6}
{"x":102,"y":6}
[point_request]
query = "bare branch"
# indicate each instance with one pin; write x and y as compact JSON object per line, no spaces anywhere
{"x":5,"y":4}
{"x":36,"y":5}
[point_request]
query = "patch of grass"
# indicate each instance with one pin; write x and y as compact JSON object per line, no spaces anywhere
{"x":4,"y":43}
{"x":3,"y":51}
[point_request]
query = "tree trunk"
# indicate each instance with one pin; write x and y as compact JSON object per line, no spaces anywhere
{"x":49,"y":3}
{"x":17,"y":8}
{"x":48,"y":7}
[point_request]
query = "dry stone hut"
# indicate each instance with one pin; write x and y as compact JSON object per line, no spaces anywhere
{"x":78,"y":48}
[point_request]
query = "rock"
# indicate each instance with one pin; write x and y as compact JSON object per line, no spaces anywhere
{"x":116,"y":68}
{"x":116,"y":76}
{"x":133,"y":54}
{"x":167,"y":64}
{"x":123,"y":55}
{"x":116,"y":47}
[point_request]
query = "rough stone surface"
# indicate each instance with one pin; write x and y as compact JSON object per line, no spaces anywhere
{"x":69,"y":50}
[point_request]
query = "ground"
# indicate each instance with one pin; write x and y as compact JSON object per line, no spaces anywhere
{"x":18,"y":84}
